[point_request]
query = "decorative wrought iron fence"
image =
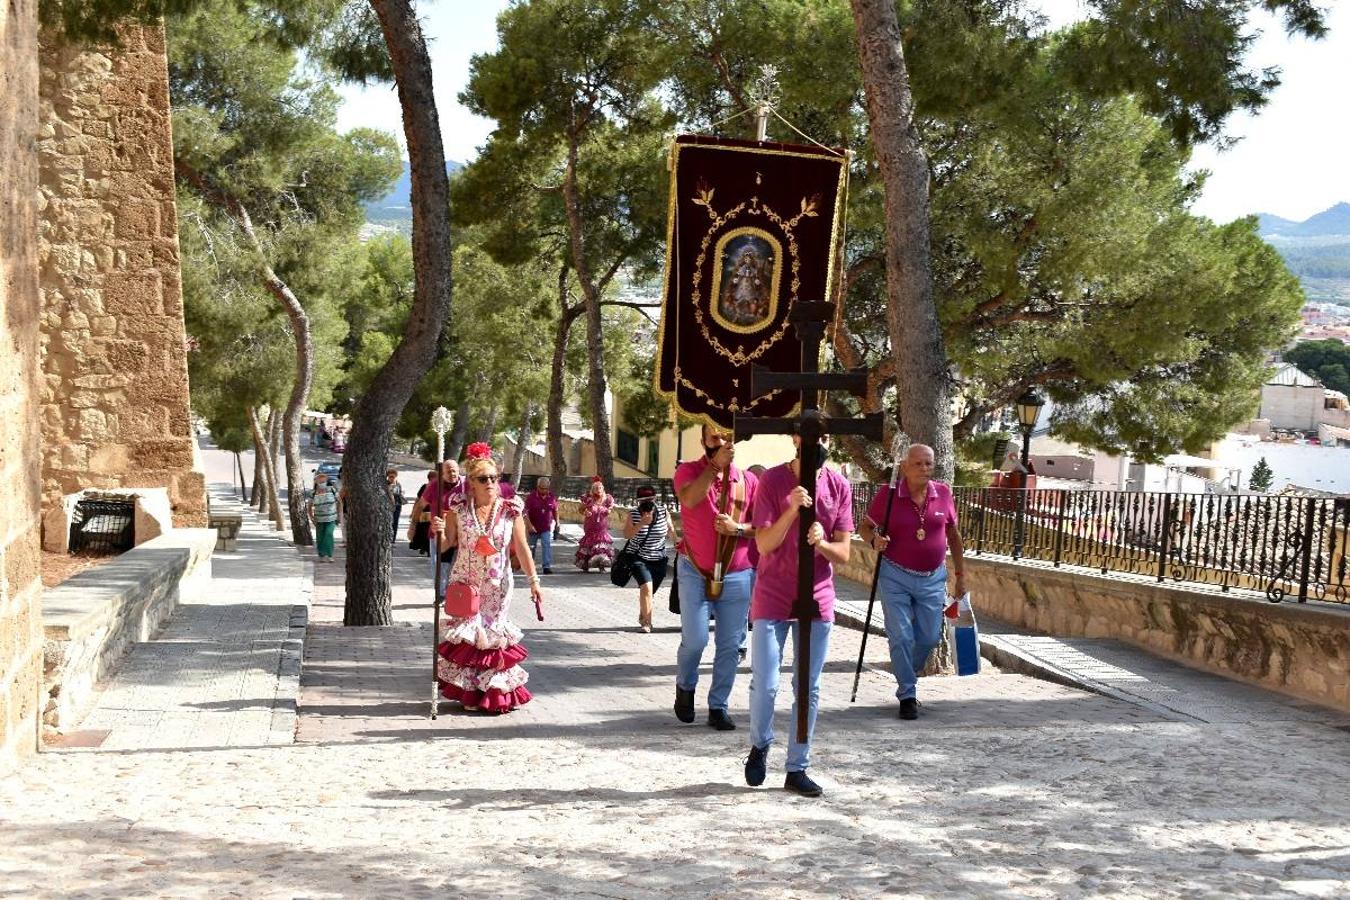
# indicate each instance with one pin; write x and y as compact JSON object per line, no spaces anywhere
{"x":103,"y":526}
{"x":1282,"y":545}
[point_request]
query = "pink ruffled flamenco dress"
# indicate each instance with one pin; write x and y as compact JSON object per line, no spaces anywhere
{"x":596,"y":550}
{"x":480,"y":655}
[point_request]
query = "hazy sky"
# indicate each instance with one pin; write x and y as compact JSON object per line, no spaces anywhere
{"x":1290,"y":160}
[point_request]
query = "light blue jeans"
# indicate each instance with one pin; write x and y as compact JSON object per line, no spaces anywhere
{"x":766,"y":661}
{"x":445,"y":570}
{"x":695,"y":609}
{"x":913,"y":609}
{"x":544,"y":538}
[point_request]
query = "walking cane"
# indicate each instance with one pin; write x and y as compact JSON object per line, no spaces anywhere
{"x":901,"y":441}
{"x":435,"y":605}
{"x":435,"y":629}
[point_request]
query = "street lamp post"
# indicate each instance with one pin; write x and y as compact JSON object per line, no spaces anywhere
{"x":440,"y":423}
{"x":1028,"y":411}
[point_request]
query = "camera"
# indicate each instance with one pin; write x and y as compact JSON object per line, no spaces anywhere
{"x":646,"y":506}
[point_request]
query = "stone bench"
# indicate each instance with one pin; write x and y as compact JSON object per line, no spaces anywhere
{"x":226,"y":525}
{"x":90,"y":621}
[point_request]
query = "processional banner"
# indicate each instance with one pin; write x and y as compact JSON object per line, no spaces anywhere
{"x":753,"y":228}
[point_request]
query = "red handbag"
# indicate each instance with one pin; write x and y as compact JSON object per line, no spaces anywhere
{"x":461,"y":600}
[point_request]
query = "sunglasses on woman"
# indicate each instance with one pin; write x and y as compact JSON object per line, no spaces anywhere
{"x":485,"y":479}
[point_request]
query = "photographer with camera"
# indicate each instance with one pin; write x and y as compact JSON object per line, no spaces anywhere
{"x":646,"y":531}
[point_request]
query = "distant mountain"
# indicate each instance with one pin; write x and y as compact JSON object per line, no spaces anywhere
{"x":1329,"y":222}
{"x":396,"y":206}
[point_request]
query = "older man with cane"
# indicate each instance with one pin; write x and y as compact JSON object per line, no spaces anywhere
{"x":913,"y":535}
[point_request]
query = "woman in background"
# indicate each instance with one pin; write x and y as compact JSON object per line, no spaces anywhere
{"x":596,"y":549}
{"x":421,"y":537}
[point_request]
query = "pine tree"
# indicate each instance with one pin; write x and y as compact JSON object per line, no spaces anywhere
{"x":1261,"y":476}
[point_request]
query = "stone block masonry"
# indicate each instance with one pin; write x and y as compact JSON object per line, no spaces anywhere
{"x":20,"y":579}
{"x":1302,"y":649}
{"x":91,"y":620}
{"x":115,"y":389}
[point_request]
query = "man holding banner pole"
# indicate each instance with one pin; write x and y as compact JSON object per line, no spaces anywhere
{"x":714,"y":568}
{"x":780,"y":498}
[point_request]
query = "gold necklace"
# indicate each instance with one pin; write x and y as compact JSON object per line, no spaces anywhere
{"x":922,"y":513}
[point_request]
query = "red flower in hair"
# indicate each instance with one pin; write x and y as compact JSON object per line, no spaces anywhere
{"x":479,"y":450}
{"x":597,"y":479}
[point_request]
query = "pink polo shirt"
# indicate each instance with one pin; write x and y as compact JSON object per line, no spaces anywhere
{"x":700,"y":538}
{"x":439,"y":496}
{"x":776,"y":576}
{"x":905,"y":548}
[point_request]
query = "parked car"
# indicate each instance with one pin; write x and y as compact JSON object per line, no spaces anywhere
{"x":330,"y":469}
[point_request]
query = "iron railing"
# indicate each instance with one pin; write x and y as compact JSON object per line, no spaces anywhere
{"x":1284,"y":546}
{"x":1281,"y":545}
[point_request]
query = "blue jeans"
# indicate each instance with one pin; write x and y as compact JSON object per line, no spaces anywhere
{"x":913,"y":609}
{"x":695,"y":609}
{"x":766,"y":659}
{"x":546,"y":539}
{"x":447,"y":563}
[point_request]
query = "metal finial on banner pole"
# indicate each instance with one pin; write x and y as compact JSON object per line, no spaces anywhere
{"x":764,"y":94}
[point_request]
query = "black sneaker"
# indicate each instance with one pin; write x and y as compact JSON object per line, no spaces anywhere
{"x":718,"y":718}
{"x":800,"y":783}
{"x":684,"y":705}
{"x":547,"y":570}
{"x":756,"y":765}
{"x":909,"y":708}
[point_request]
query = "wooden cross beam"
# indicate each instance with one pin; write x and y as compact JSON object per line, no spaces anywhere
{"x":810,"y":319}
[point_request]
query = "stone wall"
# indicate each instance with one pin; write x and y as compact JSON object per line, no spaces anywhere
{"x":1301,"y":649}
{"x":91,"y":620}
{"x":115,"y":394}
{"x":20,"y":580}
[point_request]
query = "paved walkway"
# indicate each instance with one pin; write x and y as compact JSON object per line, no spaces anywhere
{"x":1008,"y":786}
{"x":1117,"y":670}
{"x":224,"y":671}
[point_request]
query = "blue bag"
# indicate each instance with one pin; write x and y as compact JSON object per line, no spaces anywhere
{"x":965,"y":638}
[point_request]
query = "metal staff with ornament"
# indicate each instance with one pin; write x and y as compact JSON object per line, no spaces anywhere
{"x":440,"y":423}
{"x":898,"y":448}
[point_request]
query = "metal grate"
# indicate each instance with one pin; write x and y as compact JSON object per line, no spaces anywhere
{"x":103,"y":526}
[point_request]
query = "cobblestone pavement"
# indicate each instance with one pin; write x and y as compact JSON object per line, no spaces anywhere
{"x":224,"y":671}
{"x":1006,"y":787}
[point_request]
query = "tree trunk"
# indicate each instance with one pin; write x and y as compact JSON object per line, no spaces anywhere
{"x":255,"y":495}
{"x":300,"y":333}
{"x":458,"y":432}
{"x":269,"y":470}
{"x":377,"y":413}
{"x":273,"y":448}
{"x":489,"y":427}
{"x":557,"y":461}
{"x":522,"y":440}
{"x":590,"y":295}
{"x":924,"y":380}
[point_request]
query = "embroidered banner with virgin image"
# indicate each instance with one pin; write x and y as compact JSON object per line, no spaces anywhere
{"x":754,"y":227}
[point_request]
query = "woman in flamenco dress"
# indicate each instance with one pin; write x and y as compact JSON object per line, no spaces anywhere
{"x":480,"y":655}
{"x":596,"y":549}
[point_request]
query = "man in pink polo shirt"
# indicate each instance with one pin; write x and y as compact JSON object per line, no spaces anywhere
{"x":716,"y":547}
{"x":779,"y":500}
{"x":913,"y":578}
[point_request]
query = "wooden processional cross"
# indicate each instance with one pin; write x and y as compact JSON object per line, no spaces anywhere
{"x":810,"y":319}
